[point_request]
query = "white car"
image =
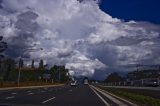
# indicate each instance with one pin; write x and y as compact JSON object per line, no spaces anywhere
{"x":73,"y":83}
{"x":85,"y":82}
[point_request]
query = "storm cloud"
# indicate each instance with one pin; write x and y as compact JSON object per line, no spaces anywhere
{"x":76,"y":33}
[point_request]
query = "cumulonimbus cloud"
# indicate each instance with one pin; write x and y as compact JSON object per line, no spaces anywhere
{"x":77,"y":34}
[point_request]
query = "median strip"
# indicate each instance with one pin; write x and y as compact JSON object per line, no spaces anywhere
{"x":119,"y":98}
{"x":137,"y":98}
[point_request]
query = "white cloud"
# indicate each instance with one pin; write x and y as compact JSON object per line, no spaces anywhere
{"x":79,"y":35}
{"x":82,"y":65}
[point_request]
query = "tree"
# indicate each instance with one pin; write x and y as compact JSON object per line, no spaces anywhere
{"x":10,"y":66}
{"x":3,"y":45}
{"x":41,"y":66}
{"x":59,"y":73}
{"x":32,"y":64}
{"x":113,"y":77}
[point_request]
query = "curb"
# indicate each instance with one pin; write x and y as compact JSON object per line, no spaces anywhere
{"x":30,"y":87}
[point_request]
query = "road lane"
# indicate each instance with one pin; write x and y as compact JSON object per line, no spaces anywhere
{"x":30,"y":96}
{"x":52,"y":96}
{"x":81,"y":95}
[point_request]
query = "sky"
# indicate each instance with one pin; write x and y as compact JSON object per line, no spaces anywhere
{"x":139,"y":10}
{"x":79,"y":35}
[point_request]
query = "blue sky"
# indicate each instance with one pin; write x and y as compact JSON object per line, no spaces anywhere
{"x":139,"y":10}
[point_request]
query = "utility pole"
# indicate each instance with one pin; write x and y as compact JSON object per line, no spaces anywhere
{"x":32,"y":64}
{"x":59,"y":74}
{"x":19,"y":70}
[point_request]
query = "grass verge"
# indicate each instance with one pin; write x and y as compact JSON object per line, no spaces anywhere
{"x":136,"y":98}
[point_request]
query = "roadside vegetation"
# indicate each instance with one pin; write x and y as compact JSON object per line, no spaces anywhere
{"x":136,"y":98}
{"x":31,"y":76}
{"x":17,"y":73}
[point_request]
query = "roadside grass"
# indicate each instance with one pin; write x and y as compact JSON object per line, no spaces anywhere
{"x":136,"y":98}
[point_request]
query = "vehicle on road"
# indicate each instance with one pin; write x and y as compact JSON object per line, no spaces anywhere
{"x":73,"y":83}
{"x":86,"y":82}
{"x":151,"y":82}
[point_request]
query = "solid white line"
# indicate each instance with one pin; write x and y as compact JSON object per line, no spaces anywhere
{"x":110,"y":97}
{"x":119,"y":97}
{"x":100,"y":97}
{"x":11,"y":97}
{"x":48,"y":100}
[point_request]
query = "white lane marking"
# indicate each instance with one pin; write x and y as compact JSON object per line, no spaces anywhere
{"x":14,"y":93}
{"x":30,"y":93}
{"x":110,"y":97}
{"x":120,"y":98}
{"x":11,"y":97}
{"x":100,"y":97}
{"x":42,"y":91}
{"x":48,"y":100}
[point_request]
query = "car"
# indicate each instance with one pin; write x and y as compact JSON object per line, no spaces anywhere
{"x":73,"y":83}
{"x":86,"y":82}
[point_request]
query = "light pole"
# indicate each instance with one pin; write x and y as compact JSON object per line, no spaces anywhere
{"x":59,"y":74}
{"x":20,"y":65}
{"x":19,"y":70}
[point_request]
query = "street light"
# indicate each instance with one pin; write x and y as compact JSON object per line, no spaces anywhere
{"x":20,"y":65}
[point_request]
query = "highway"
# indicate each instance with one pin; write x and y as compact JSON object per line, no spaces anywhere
{"x":81,"y":95}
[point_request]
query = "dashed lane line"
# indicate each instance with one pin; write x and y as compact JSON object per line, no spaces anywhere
{"x":13,"y":93}
{"x":28,"y":91}
{"x":48,"y":100}
{"x":43,"y":91}
{"x":11,"y":97}
{"x":30,"y":94}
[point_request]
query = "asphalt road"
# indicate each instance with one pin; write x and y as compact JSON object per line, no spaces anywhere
{"x":66,"y":95}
